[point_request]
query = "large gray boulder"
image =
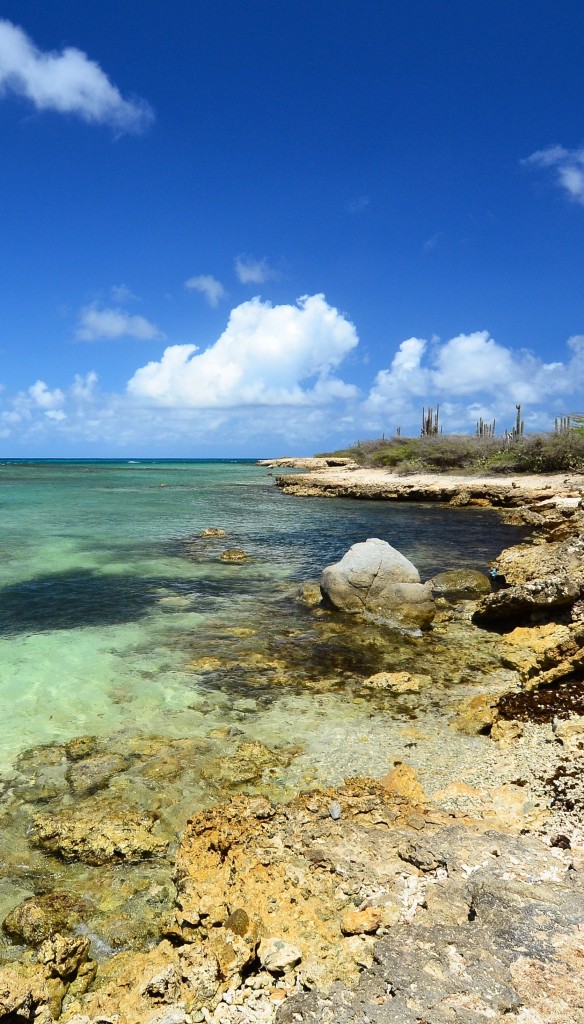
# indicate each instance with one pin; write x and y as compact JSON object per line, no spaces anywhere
{"x":376,"y":580}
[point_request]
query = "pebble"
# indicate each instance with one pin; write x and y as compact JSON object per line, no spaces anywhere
{"x":335,"y":810}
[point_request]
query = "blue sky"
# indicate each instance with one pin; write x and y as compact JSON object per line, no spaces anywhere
{"x":256,"y":227}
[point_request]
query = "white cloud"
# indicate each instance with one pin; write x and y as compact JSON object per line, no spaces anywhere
{"x":250,"y":271}
{"x":267,"y":355}
{"x":56,"y":414}
{"x":568,"y":165}
{"x":67,"y":82}
{"x":471,"y":375}
{"x":121,"y":293}
{"x":83,"y":388}
{"x":209,"y":286}
{"x":104,"y":322}
{"x":44,"y":398}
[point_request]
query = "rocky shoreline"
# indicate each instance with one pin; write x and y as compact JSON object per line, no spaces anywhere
{"x":342,"y":478}
{"x":391,"y":900}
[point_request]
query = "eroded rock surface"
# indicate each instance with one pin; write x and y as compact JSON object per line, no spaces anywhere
{"x":375,"y":579}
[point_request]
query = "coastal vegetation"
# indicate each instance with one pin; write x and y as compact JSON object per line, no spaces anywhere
{"x":554,"y":452}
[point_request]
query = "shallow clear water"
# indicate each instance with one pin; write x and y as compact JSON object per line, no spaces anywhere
{"x":119,"y":622}
{"x":103,"y":608}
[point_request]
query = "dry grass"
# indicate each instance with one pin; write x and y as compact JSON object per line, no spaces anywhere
{"x":463,"y":453}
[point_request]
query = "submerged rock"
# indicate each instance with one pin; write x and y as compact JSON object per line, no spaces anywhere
{"x":374,"y":579}
{"x":99,"y":832}
{"x":460,"y":583}
{"x":32,"y":921}
{"x":234,"y":555}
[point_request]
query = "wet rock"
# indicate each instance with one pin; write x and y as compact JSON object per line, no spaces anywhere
{"x":81,"y":747}
{"x":310,"y":594}
{"x":235,"y":555}
{"x":212,"y":531}
{"x":62,"y":957}
{"x":99,"y":832}
{"x":205,"y":664}
{"x":460,"y":583}
{"x":375,"y":579}
{"x":88,"y":775}
{"x":32,"y":921}
{"x":249,"y":763}
{"x":398,"y":682}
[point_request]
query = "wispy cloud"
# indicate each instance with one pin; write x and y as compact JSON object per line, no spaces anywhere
{"x":209,"y":286}
{"x":67,"y":82}
{"x":568,"y":165}
{"x":121,"y":293}
{"x":431,"y":243}
{"x":250,"y":271}
{"x":358,"y":205}
{"x":102,"y":322}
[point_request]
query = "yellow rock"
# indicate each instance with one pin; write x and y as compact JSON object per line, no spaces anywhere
{"x":361,"y":922}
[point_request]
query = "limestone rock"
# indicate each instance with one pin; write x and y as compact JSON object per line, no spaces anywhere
{"x":248,"y":763}
{"x":506,"y":733}
{"x":538,"y":596}
{"x":375,"y":579}
{"x":361,"y":922}
{"x":23,"y":998}
{"x":570,"y":731}
{"x":477,"y":715}
{"x":460,"y":583}
{"x":212,"y":531}
{"x":397,"y":682}
{"x":88,"y":775}
{"x":278,"y":956}
{"x":35,"y":919}
{"x":99,"y":833}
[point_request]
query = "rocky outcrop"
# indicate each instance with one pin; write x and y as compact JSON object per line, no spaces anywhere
{"x":368,"y":900}
{"x":374,"y":579}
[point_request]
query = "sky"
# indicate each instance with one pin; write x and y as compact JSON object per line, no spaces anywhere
{"x":248,"y":228}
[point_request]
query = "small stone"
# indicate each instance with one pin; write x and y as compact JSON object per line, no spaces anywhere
{"x":570,"y":731}
{"x":361,"y":922}
{"x":212,"y":531}
{"x":335,"y":810}
{"x":278,"y":956}
{"x":506,"y":733}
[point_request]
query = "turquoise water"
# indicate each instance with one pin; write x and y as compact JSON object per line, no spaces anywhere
{"x":118,"y":622}
{"x":108,"y":599}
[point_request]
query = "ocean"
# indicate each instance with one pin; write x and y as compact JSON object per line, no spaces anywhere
{"x":107,"y":595}
{"x":119,"y":622}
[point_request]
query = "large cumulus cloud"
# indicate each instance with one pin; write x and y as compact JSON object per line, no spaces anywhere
{"x":267,"y":355}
